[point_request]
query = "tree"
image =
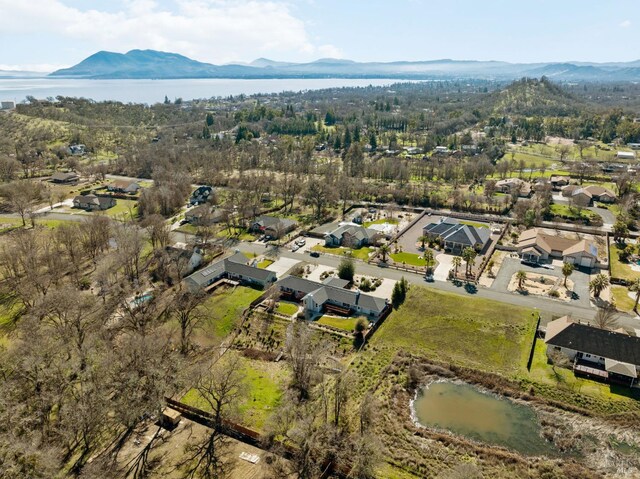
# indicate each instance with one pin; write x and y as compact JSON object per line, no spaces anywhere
{"x":221,"y":386}
{"x":469,"y":255}
{"x":423,"y":239}
{"x":384,"y":250}
{"x":606,"y":317}
{"x":521,"y":276}
{"x":457,"y":262}
{"x":635,"y":287}
{"x":186,"y":307}
{"x":399,"y":293}
{"x":490,"y":266}
{"x":598,"y":284}
{"x":620,"y":231}
{"x":429,"y":260}
{"x":567,"y":269}
{"x":346,"y":269}
{"x":304,"y":351}
{"x":318,"y":195}
{"x":23,"y":196}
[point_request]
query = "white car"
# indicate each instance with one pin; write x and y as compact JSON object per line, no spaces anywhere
{"x":295,"y":248}
{"x":301,"y":242}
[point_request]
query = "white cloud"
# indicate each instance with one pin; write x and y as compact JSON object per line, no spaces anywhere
{"x":330,"y":51}
{"x":626,"y":24}
{"x":216,"y":31}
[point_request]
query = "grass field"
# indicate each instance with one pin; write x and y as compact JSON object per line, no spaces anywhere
{"x":224,"y":308}
{"x":474,"y":223}
{"x":361,"y":253}
{"x":264,"y":263}
{"x":623,"y":301}
{"x":287,"y":308}
{"x":618,"y":268}
{"x":461,"y":330}
{"x":124,"y":209}
{"x":408,"y":258}
{"x":574,"y":213}
{"x":265,"y":383}
{"x":348,"y":324}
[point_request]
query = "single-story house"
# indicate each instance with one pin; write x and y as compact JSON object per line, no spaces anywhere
{"x":634,"y":146}
{"x":610,"y":355}
{"x":70,"y":178}
{"x":456,"y":237}
{"x":351,"y":235}
{"x":92,"y":202}
{"x":191,"y":258}
{"x":201,"y":194}
{"x":324,"y":297}
{"x":273,"y":226}
{"x":204,"y":215}
{"x":441,"y":150}
{"x":235,"y":268}
{"x":559,"y":181}
{"x":7,"y":105}
{"x":585,"y":196}
{"x":123,"y":186}
{"x":626,"y":155}
{"x":511,"y":185}
{"x":77,"y":150}
{"x":536,"y":246}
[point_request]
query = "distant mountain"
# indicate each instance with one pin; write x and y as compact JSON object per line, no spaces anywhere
{"x":154,"y":64}
{"x":530,"y":97}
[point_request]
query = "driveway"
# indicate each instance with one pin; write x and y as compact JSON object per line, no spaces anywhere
{"x":511,"y":266}
{"x":409,"y":239}
{"x":445,"y":263}
{"x":281,"y":266}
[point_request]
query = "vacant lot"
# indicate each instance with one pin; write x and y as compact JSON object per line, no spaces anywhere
{"x":361,"y":253}
{"x":472,"y":332}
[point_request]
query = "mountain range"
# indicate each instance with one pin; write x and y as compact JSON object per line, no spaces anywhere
{"x":151,"y":64}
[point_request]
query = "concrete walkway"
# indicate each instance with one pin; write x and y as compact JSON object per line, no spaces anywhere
{"x":445,"y":264}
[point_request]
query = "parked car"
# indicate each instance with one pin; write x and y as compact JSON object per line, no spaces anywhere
{"x":301,"y":242}
{"x":295,"y":248}
{"x":183,"y":221}
{"x":314,"y":254}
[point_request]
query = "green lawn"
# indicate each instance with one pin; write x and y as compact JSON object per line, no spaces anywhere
{"x":473,"y":332}
{"x":264,"y":263}
{"x":623,"y":301}
{"x":224,"y":308}
{"x":381,"y":221}
{"x":287,"y":308}
{"x":574,"y":213}
{"x":474,"y":223}
{"x":265,"y":383}
{"x":124,"y":209}
{"x":618,"y":268}
{"x":348,"y":324}
{"x":239,"y":233}
{"x":408,"y":258}
{"x":361,"y":253}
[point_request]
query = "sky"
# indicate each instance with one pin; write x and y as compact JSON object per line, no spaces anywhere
{"x":43,"y":35}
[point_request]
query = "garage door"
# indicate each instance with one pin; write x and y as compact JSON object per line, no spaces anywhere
{"x":585,"y":261}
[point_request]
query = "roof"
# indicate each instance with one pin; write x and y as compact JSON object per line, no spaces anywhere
{"x":336,"y":282}
{"x":534,"y":237}
{"x":618,"y":367}
{"x":450,"y":230}
{"x":357,"y":231}
{"x":124,"y":184}
{"x":322,"y":293}
{"x":273,"y":222}
{"x":237,"y":263}
{"x":611,"y":345}
{"x":60,"y":176}
{"x":582,"y":246}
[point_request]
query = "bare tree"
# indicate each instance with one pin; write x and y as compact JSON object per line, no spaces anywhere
{"x":606,"y":317}
{"x":304,"y":351}
{"x":188,"y":311}
{"x":23,"y":196}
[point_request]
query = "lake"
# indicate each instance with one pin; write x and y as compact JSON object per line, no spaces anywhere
{"x":467,"y":411}
{"x":154,"y":91}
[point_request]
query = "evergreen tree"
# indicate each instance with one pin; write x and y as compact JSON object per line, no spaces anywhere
{"x":373,"y":141}
{"x":356,"y":134}
{"x":209,"y":119}
{"x":347,"y":138}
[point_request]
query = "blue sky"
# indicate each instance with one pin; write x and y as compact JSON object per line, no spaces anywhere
{"x":46,"y":34}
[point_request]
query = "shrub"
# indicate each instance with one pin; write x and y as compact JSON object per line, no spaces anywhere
{"x":365,"y":285}
{"x":554,"y":293}
{"x":346,"y":269}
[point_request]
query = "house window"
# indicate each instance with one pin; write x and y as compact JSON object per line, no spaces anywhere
{"x":587,"y":355}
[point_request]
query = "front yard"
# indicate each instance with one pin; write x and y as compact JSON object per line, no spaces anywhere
{"x":620,"y":269}
{"x":361,"y":253}
{"x":408,"y":258}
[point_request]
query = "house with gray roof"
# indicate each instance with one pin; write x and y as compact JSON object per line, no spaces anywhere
{"x":318,"y":298}
{"x":273,"y":226}
{"x":351,"y":235}
{"x":610,"y":355}
{"x":235,"y":268}
{"x":456,"y":236}
{"x":92,"y":202}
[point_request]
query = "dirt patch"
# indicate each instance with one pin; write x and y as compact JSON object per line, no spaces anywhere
{"x":488,"y":276}
{"x":542,"y":285}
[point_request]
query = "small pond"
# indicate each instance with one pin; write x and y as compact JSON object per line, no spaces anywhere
{"x":465,"y":410}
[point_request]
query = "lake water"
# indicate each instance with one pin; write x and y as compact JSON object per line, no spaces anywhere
{"x":154,"y":91}
{"x":464,"y":410}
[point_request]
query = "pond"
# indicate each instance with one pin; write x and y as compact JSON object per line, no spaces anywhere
{"x":465,"y":410}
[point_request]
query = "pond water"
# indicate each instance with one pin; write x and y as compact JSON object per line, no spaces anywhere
{"x":465,"y":410}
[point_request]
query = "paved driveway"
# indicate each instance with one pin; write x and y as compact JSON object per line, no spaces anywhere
{"x":409,"y":239}
{"x":282,"y":265}
{"x":511,"y":266}
{"x":441,"y":272}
